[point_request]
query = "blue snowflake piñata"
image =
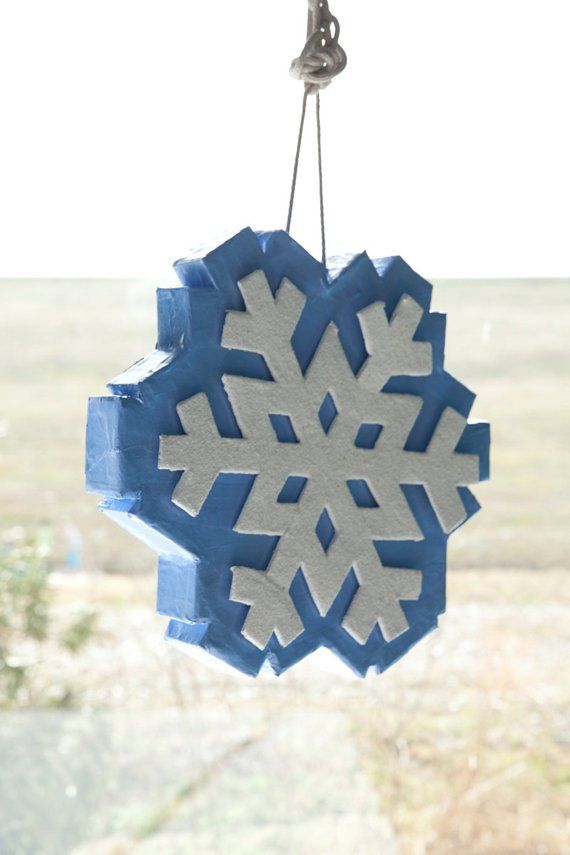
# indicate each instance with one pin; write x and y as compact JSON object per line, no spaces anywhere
{"x":295,"y":452}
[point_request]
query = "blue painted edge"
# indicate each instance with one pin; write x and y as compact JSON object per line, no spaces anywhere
{"x":196,"y":553}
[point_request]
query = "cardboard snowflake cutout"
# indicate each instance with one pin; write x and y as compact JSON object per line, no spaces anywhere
{"x":295,"y":452}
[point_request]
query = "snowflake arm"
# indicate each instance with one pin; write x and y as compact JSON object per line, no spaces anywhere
{"x":267,"y":327}
{"x":390,"y":344}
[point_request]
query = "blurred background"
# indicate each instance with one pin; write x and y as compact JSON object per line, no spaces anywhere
{"x":136,"y":132}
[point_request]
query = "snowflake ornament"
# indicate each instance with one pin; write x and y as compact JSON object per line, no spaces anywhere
{"x":295,"y":452}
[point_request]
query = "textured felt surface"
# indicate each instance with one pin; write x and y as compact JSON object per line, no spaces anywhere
{"x":295,"y":452}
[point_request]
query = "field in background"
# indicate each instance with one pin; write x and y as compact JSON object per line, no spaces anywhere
{"x":458,"y":748}
{"x":61,"y":342}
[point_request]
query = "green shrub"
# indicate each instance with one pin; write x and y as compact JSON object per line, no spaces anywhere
{"x":25,"y":615}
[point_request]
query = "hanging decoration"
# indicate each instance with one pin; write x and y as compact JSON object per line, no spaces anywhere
{"x":293,"y":449}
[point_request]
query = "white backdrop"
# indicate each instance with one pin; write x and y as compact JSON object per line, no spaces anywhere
{"x":133,"y":130}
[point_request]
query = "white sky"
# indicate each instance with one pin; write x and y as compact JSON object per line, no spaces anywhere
{"x":132,"y":131}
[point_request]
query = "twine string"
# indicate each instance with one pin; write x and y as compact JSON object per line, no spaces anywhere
{"x":296,"y":162}
{"x":321,"y":192}
{"x":319,"y":62}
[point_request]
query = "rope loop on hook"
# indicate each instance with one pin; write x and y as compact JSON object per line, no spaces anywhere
{"x":322,"y":58}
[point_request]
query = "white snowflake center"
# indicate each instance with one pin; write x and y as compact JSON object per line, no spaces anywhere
{"x":328,"y":452}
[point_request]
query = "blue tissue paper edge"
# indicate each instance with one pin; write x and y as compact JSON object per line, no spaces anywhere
{"x":196,"y":553}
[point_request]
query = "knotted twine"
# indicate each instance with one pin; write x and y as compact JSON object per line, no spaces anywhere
{"x":321,"y":59}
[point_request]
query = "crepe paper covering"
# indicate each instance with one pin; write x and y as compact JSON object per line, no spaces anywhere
{"x":295,"y":452}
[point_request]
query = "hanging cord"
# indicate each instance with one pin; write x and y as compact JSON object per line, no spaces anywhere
{"x":321,"y":59}
{"x":296,"y":163}
{"x":321,"y":193}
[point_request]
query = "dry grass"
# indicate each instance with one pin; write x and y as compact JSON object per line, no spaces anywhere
{"x":463,"y":743}
{"x":477,"y":765}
